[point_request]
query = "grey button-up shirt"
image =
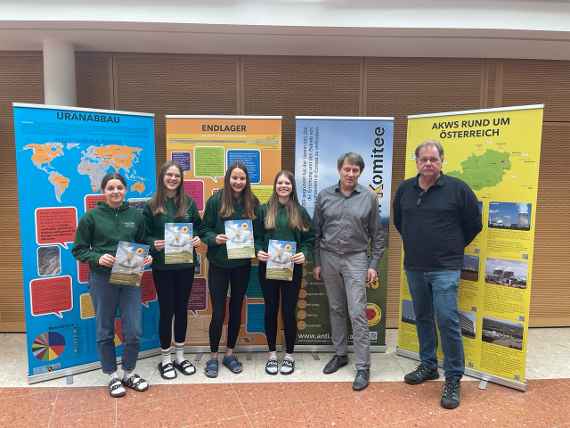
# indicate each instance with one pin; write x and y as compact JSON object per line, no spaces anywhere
{"x":348,"y":224}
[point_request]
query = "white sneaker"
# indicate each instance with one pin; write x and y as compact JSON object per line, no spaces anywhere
{"x":287,"y":367}
{"x":272,"y":366}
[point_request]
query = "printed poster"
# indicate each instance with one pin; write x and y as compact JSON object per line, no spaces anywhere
{"x":496,"y":152}
{"x":320,"y":141}
{"x":62,"y":153}
{"x":204,"y":146}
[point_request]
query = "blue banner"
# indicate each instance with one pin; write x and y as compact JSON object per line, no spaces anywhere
{"x":319,"y":143}
{"x":62,"y":153}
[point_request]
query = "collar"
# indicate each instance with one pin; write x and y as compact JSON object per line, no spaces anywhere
{"x":356,"y":189}
{"x":440,"y":182}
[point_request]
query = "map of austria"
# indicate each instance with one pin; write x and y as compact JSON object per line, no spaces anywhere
{"x":51,"y":296}
{"x":55,"y":225}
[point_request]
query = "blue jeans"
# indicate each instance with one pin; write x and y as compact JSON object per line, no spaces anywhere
{"x":107,"y":298}
{"x":434,"y":295}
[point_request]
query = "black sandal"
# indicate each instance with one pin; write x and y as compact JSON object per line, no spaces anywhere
{"x":116,"y":388}
{"x":185,"y":367}
{"x":136,"y":382}
{"x":167,"y":371}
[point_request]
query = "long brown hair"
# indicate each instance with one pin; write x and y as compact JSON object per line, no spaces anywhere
{"x":293,"y":207}
{"x":250,"y":201}
{"x":181,"y":200}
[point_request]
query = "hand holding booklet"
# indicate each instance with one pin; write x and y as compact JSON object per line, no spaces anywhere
{"x":240,"y":239}
{"x":129,"y":264}
{"x":178,"y":243}
{"x":280,"y":264}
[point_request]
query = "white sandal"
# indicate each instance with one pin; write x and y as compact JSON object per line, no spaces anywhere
{"x":116,"y":388}
{"x":136,"y":382}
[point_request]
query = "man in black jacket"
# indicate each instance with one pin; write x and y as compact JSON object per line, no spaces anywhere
{"x":437,"y":216}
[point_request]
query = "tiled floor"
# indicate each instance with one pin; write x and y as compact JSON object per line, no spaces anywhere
{"x":307,"y":398}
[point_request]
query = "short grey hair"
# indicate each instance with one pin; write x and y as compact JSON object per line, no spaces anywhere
{"x":351,"y":158}
{"x":430,"y":143}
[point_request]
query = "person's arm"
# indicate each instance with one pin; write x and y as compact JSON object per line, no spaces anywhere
{"x":82,"y":249}
{"x":377,"y":235}
{"x":397,"y":211}
{"x":471,"y":219}
{"x":307,"y":237}
{"x":259,"y":228}
{"x":208,"y":226}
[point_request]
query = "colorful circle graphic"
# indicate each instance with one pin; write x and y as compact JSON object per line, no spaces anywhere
{"x":48,"y":346}
{"x":374,"y":314}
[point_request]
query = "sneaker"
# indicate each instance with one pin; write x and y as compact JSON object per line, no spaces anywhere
{"x":451,"y":393}
{"x":271,"y":366}
{"x":421,"y":374}
{"x":287,"y":367}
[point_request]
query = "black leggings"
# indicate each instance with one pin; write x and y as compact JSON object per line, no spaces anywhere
{"x":218,"y":281}
{"x":173,"y":288}
{"x":288,"y":291}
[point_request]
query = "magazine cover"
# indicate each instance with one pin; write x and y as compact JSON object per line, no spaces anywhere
{"x":129,"y":264}
{"x":240,"y":239}
{"x":280,"y":266}
{"x":178,"y":243}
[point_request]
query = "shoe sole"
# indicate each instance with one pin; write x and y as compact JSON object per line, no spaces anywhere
{"x":361,"y":388}
{"x":449,"y":407}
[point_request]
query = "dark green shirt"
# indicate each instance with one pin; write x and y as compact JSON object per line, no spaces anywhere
{"x":213,"y":225}
{"x":155,"y":230}
{"x":283,"y":232}
{"x":100,"y":230}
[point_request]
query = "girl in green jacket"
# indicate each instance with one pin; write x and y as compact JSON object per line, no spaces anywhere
{"x":235,"y":201}
{"x":96,"y":240}
{"x":282,"y":219}
{"x":173,"y":282}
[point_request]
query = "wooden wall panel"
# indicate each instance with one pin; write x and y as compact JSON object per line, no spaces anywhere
{"x":174,"y":84}
{"x":538,"y":82}
{"x":21,"y":79}
{"x":94,"y":76}
{"x":399,"y":87}
{"x":295,"y":86}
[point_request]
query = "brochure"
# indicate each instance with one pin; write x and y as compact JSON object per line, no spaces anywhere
{"x":178,"y":243}
{"x":240,"y":239}
{"x":280,"y":266}
{"x":129,"y":264}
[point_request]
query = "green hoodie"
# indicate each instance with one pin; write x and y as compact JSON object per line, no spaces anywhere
{"x":283,"y":232}
{"x":155,"y":230}
{"x":100,"y":230}
{"x":213,"y":225}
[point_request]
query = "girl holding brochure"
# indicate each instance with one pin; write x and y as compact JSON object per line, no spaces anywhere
{"x":172,"y":209}
{"x":234,"y":202}
{"x":96,"y":241}
{"x":285,"y":223}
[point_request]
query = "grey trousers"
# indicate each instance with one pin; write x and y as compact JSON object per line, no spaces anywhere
{"x":345,"y":281}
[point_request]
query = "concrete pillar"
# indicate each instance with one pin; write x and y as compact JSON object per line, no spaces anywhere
{"x":59,"y":73}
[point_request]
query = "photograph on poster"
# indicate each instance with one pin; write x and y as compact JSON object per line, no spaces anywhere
{"x":468,"y":322}
{"x":470,"y":269}
{"x":49,"y":260}
{"x":508,"y":273}
{"x":503,"y":333}
{"x":509,"y":215}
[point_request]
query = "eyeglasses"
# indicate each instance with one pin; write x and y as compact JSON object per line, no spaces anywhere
{"x":430,"y":160}
{"x":420,"y":196}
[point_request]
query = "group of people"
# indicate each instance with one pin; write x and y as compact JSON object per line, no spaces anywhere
{"x":436,"y":215}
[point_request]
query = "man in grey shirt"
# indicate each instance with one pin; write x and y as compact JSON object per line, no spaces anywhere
{"x":347,"y":228}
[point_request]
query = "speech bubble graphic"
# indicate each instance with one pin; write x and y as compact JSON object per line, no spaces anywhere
{"x":195,"y":189}
{"x":55,"y":225}
{"x":90,"y":201}
{"x":148,"y":291}
{"x":209,"y":162}
{"x":251,"y":159}
{"x":82,"y":272}
{"x":86,"y":308}
{"x":183,"y":159}
{"x":51,"y":296}
{"x":262,"y":191}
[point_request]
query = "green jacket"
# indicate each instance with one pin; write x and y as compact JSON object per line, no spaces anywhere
{"x":154,"y":226}
{"x":212,"y":225}
{"x":283,"y":232}
{"x":100,"y":230}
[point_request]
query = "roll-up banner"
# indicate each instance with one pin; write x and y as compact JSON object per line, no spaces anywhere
{"x":319,"y":143}
{"x":204,"y":146}
{"x":62,"y":153}
{"x":496,"y":152}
